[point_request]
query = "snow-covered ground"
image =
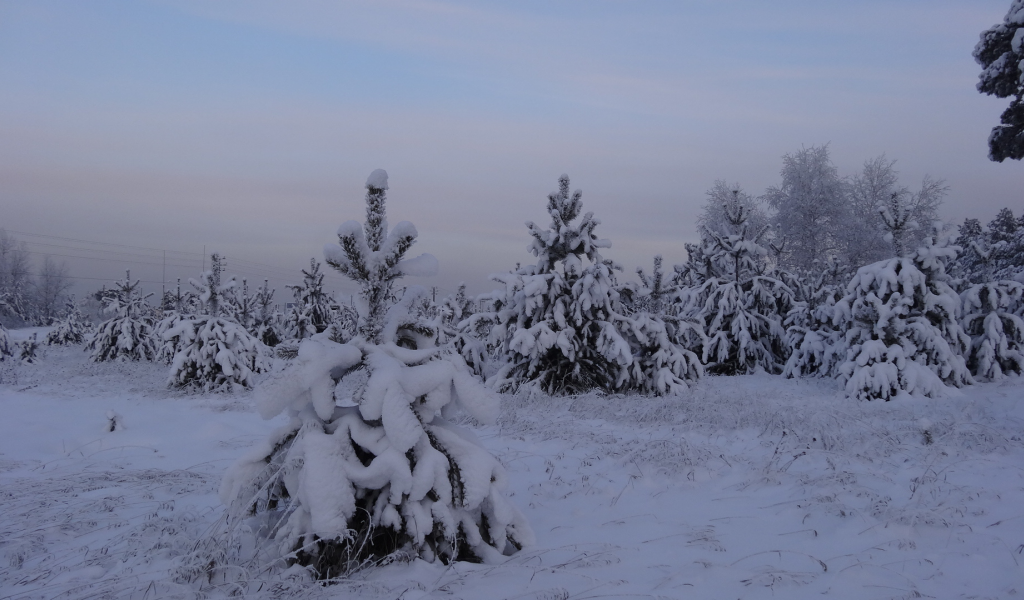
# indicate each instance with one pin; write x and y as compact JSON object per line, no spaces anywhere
{"x":745,"y":487}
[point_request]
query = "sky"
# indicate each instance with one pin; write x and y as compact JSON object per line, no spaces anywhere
{"x":145,"y":134}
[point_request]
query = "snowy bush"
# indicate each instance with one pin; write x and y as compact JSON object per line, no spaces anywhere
{"x":369,"y":465}
{"x":70,"y":329}
{"x":129,"y":334}
{"x":28,"y":350}
{"x":213,"y":352}
{"x":5,"y":344}
{"x":901,"y":328}
{"x":992,"y":317}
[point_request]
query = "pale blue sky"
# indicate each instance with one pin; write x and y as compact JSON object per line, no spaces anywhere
{"x":250,"y":126}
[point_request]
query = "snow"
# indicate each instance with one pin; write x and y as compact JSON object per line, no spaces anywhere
{"x":750,"y":486}
{"x":378,"y":179}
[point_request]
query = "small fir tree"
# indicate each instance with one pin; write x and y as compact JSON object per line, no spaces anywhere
{"x":69,"y":329}
{"x":812,"y":339}
{"x":266,"y":326}
{"x":901,"y":328}
{"x":369,"y":464}
{"x":992,"y":317}
{"x":740,"y":307}
{"x":557,"y":324}
{"x":312,"y":311}
{"x":5,"y":343}
{"x":128,"y":335}
{"x":214,"y":352}
{"x":28,"y":350}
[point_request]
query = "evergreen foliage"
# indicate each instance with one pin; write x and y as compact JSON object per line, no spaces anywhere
{"x":70,"y":329}
{"x":557,"y":324}
{"x":812,"y":339}
{"x":370,"y":465}
{"x":992,"y":317}
{"x":213,"y":352}
{"x":372,"y":256}
{"x":312,"y":313}
{"x":5,"y":344}
{"x":1000,"y":52}
{"x":128,"y":335}
{"x":740,"y":307}
{"x":901,"y":328}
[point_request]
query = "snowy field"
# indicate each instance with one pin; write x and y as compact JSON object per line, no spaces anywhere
{"x":746,"y":487}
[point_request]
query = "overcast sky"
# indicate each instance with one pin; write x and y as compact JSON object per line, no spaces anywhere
{"x":249,"y":127}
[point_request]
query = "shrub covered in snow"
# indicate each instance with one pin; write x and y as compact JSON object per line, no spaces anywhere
{"x":5,"y":343}
{"x":70,"y":329}
{"x":369,"y":464}
{"x":901,"y":328}
{"x":28,"y":349}
{"x":129,"y":334}
{"x":992,"y":317}
{"x":213,"y":352}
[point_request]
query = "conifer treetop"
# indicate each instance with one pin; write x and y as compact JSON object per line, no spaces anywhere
{"x":562,"y":238}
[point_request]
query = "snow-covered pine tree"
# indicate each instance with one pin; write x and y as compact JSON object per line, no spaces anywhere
{"x":662,"y":341}
{"x":128,"y":335}
{"x":69,"y":329}
{"x":214,"y":353}
{"x":1000,"y":52}
{"x":179,"y":309}
{"x":812,"y":339}
{"x":5,"y":343}
{"x":241,"y":307}
{"x":369,"y":464}
{"x":28,"y":349}
{"x":266,"y":325}
{"x":992,"y":317}
{"x":312,"y":311}
{"x":741,"y":308}
{"x":901,"y":328}
{"x":558,"y":325}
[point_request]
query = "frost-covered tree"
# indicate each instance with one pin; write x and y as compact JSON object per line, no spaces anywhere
{"x":312,"y":311}
{"x":373,"y":257}
{"x":901,"y":327}
{"x":15,"y":280}
{"x":5,"y":343}
{"x":128,"y":335}
{"x":812,"y":339}
{"x":266,"y":325}
{"x":242,"y":307}
{"x":992,"y":317}
{"x":178,"y":307}
{"x":908,"y":217}
{"x":662,"y":341}
{"x":1000,"y":52}
{"x":370,"y":465}
{"x":558,"y":324}
{"x":214,"y":352}
{"x":810,"y":208}
{"x":70,"y":329}
{"x":740,"y":307}
{"x":28,"y":349}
